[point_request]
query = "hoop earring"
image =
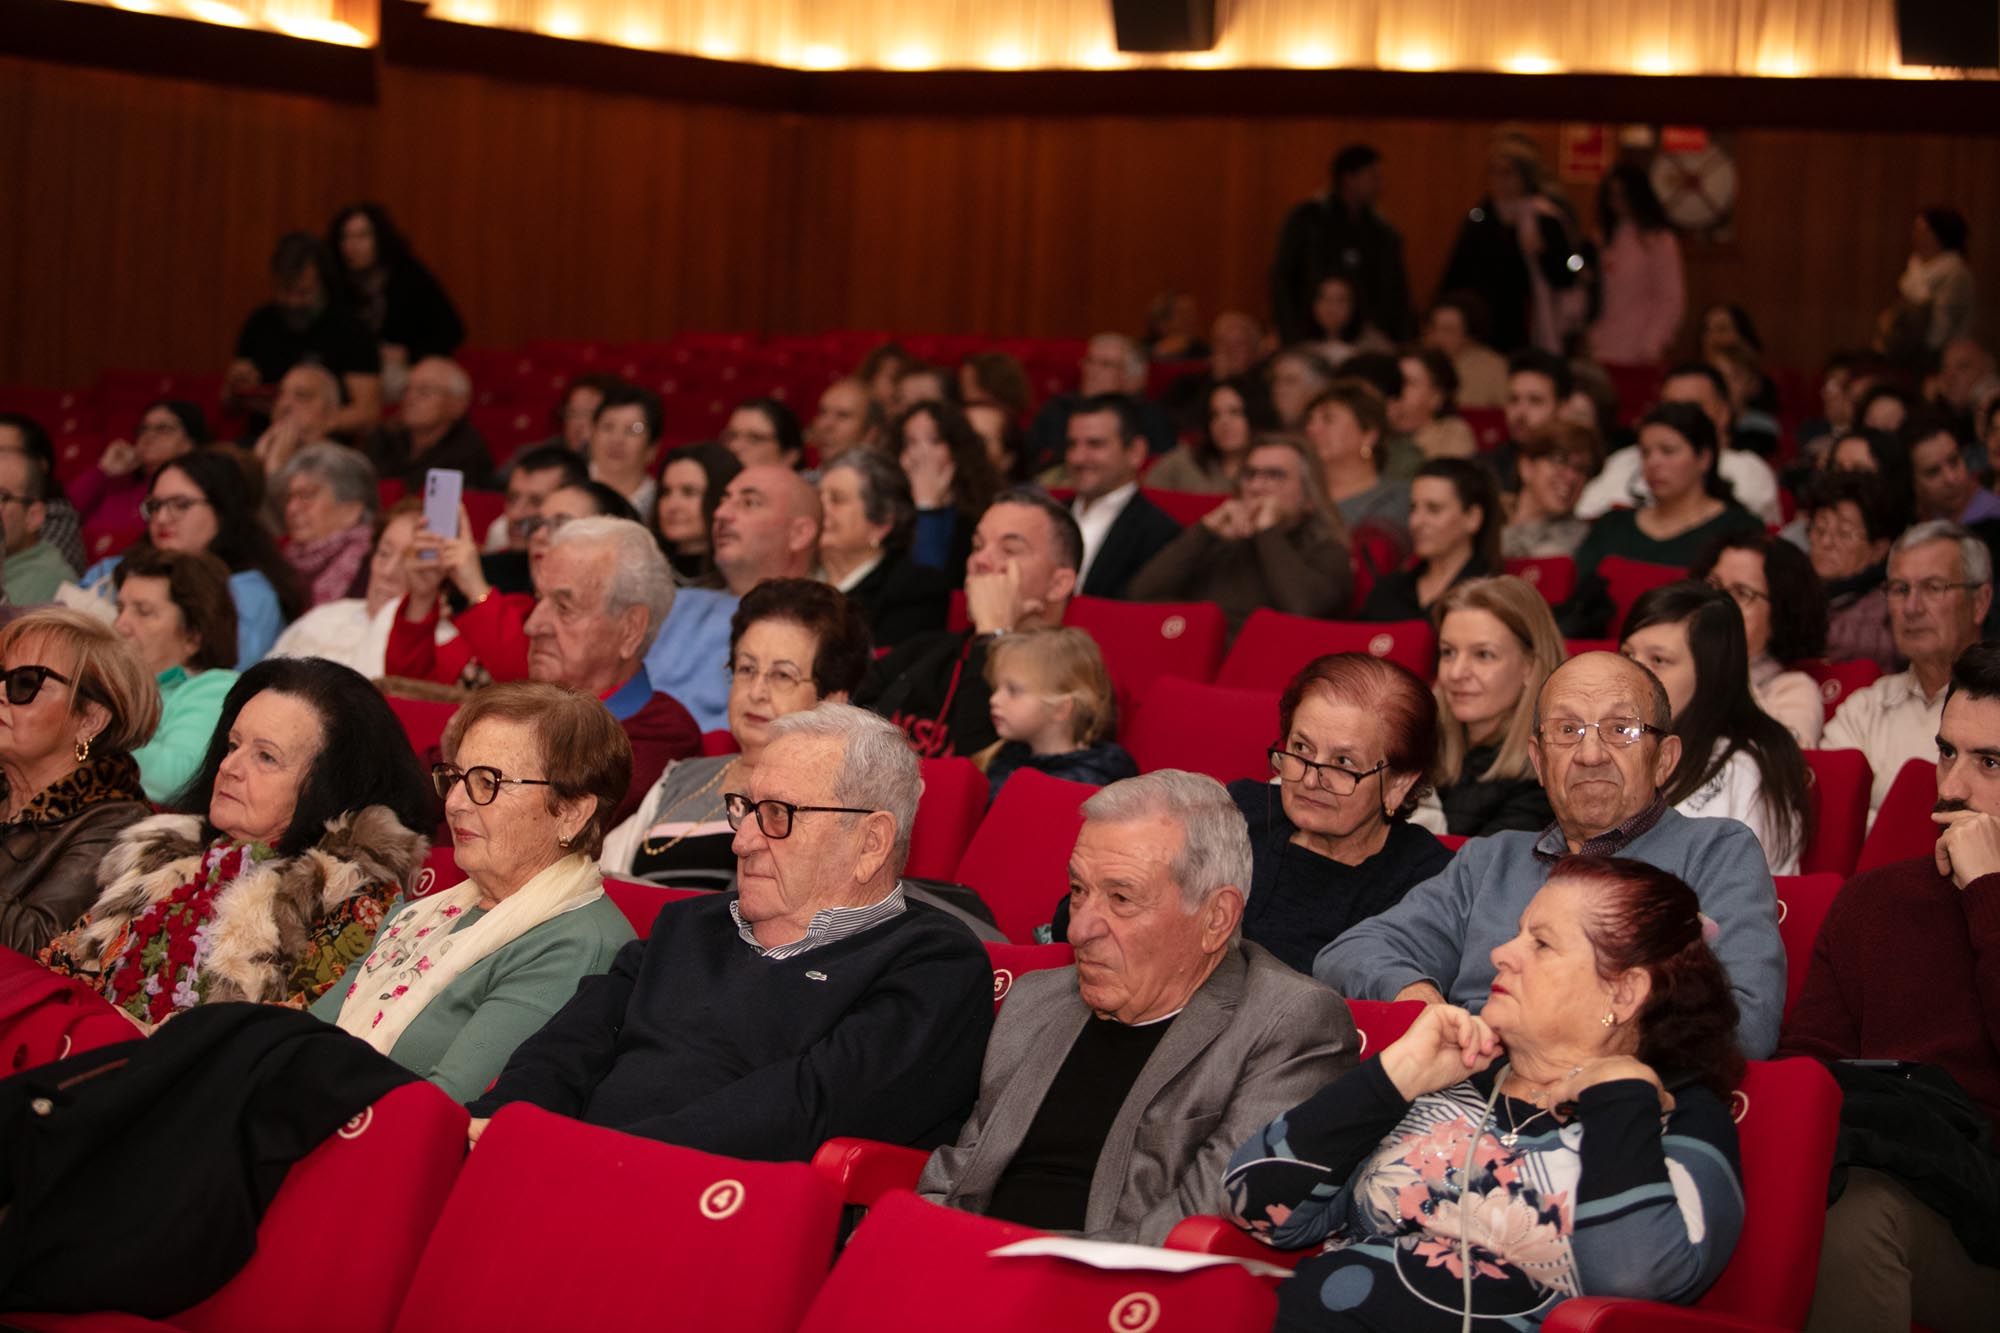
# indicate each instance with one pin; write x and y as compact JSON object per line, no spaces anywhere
{"x":82,"y":749}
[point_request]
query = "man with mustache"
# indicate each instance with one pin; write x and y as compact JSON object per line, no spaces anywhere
{"x":1114,"y":1091}
{"x":1907,"y":968}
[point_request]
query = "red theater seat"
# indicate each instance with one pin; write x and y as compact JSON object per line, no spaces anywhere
{"x":1903,"y":826}
{"x":1489,"y":425}
{"x":1142,"y":641}
{"x":1626,"y":580}
{"x":1842,"y":780}
{"x":863,"y":1170}
{"x":424,"y":721}
{"x":947,"y":814}
{"x":1186,"y":508}
{"x":1273,"y":646}
{"x":641,"y":902}
{"x":1554,"y":576}
{"x":1803,"y":901}
{"x":1018,"y":861}
{"x":1014,"y":960}
{"x":715,"y":743}
{"x":44,"y":1017}
{"x":631,"y":1234}
{"x":1208,"y":729}
{"x":1837,"y":680}
{"x":1381,"y":1022}
{"x":916,"y":1266}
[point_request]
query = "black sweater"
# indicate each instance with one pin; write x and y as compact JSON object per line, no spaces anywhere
{"x":934,"y":687}
{"x":1475,"y":807}
{"x":694,"y":1038}
{"x":1299,"y":900}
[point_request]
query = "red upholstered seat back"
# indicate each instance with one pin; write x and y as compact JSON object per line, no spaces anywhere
{"x":1210,"y":729}
{"x":1554,"y":576}
{"x":1382,"y":1021}
{"x":1183,"y":507}
{"x":1013,"y":960}
{"x":1142,"y":641}
{"x":1273,"y":646}
{"x":1626,"y":579}
{"x":626,"y":1234}
{"x":916,"y":1266}
{"x":1803,"y":901}
{"x":44,"y":1017}
{"x":1018,"y":861}
{"x":1837,"y":680}
{"x":1842,"y":780}
{"x":947,"y":813}
{"x":641,"y":902}
{"x":1903,"y":826}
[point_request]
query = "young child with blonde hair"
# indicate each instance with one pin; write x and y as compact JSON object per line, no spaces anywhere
{"x":1053,"y":709}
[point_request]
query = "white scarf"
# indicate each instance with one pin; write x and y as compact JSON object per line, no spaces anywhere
{"x":420,"y":953}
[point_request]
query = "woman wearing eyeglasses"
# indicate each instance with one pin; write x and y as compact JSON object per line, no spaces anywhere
{"x":108,"y":496}
{"x":1850,"y":521}
{"x":1330,"y":837}
{"x":457,"y":979}
{"x":273,"y":875}
{"x":201,"y":502}
{"x":1737,"y":761}
{"x":793,"y":644}
{"x":1784,"y":620}
{"x":76,"y":704}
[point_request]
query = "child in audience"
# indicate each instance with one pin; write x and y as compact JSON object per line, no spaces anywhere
{"x":1053,"y":709}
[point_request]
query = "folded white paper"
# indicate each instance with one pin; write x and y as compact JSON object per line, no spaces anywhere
{"x":1111,"y":1255}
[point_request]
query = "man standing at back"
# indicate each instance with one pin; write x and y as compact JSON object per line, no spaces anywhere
{"x":1339,"y":234}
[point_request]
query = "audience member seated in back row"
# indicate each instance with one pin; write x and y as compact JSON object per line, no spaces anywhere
{"x":532,"y":477}
{"x":458,"y":978}
{"x":432,"y":431}
{"x":34,"y":568}
{"x":328,"y":496}
{"x":271,"y":880}
{"x":77,"y":705}
{"x":1112,"y":365}
{"x":847,"y":419}
{"x":303,"y":323}
{"x":1553,"y":466}
{"x":1237,"y":411}
{"x":1278,"y":544}
{"x":1346,"y":425}
{"x":174,"y":613}
{"x":1784,"y":620}
{"x":1940,"y":587}
{"x":1114,"y":1090}
{"x":1053,"y":709}
{"x":201,"y":502}
{"x":1905,"y":968}
{"x":793,"y":644}
{"x":763,"y":431}
{"x":1535,"y":385}
{"x":109,"y":494}
{"x":867,"y":520}
{"x":1737,"y":761}
{"x":1425,"y":410}
{"x":1690,"y":507}
{"x":951,"y":480}
{"x":813,"y":1002}
{"x":1625,"y":479}
{"x":61,"y":526}
{"x":1020,"y":576}
{"x":1455,"y":519}
{"x":1497,"y":644}
{"x":303,"y":412}
{"x":624,"y":442}
{"x":1121,"y":528}
{"x":1604,"y":753}
{"x":1849,"y":529}
{"x":1592,"y":1088}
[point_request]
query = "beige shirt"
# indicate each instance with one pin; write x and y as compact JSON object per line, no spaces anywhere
{"x":1892,"y":723}
{"x":1792,"y":697}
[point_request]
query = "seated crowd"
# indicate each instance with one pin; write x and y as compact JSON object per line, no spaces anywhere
{"x":717,"y":667}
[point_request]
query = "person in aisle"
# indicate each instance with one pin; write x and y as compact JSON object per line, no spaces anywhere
{"x":1604,"y":750}
{"x":1784,"y":620}
{"x":396,"y":298}
{"x":1497,"y":644}
{"x":1455,"y":520}
{"x":1642,"y":291}
{"x":1737,"y":761}
{"x":1514,"y":250}
{"x":813,"y":1002}
{"x":1053,"y":709}
{"x":1113,"y":1090}
{"x":1340,"y":233}
{"x":1940,"y":588}
{"x":175,"y":612}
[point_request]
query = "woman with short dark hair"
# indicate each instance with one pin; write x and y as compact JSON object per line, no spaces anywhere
{"x":1849,"y":526}
{"x":765,"y":430}
{"x":1571,"y":1139}
{"x":175,"y":612}
{"x":867,"y":518}
{"x":458,"y":978}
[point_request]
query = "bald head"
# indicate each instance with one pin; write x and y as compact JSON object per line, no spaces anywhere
{"x":766,"y":527}
{"x":1600,"y":781}
{"x":1608,"y":678}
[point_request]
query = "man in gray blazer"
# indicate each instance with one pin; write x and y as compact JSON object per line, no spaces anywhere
{"x":1114,"y":1091}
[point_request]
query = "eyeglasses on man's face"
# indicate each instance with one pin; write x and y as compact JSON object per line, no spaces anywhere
{"x":774,"y":818}
{"x":1927,"y":590}
{"x":1620,"y":732}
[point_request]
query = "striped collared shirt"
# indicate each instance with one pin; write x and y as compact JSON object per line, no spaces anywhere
{"x":834,"y":923}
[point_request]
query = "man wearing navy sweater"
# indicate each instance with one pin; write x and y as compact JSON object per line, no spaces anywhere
{"x":811,"y":1003}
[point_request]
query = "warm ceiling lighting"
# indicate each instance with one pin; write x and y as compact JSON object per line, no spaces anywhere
{"x":1528,"y":62}
{"x":1653,"y":62}
{"x":821,"y":56}
{"x":1005,"y":55}
{"x":563,"y":23}
{"x":913,"y":56}
{"x":1312,"y":55}
{"x":1416,"y":57}
{"x":214,"y":11}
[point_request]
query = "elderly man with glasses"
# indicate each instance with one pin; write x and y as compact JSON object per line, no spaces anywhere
{"x":1940,"y":587}
{"x":814,"y":1001}
{"x":1602,"y":751}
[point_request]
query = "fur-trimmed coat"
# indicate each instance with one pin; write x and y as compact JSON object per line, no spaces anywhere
{"x":280,"y":931}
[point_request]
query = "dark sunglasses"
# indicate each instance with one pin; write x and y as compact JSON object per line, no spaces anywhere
{"x":25,"y":682}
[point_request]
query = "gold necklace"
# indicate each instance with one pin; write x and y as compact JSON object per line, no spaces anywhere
{"x":649,"y":846}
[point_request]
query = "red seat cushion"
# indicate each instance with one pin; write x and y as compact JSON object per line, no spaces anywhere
{"x":44,"y":1017}
{"x":555,"y":1224}
{"x":1625,"y":580}
{"x":1903,"y":826}
{"x":1273,"y":646}
{"x":1842,"y":781}
{"x":1208,"y":729}
{"x":641,"y":903}
{"x":1837,"y":680}
{"x":1142,"y":641}
{"x":1018,"y":861}
{"x":1012,"y":960}
{"x":948,"y":812}
{"x":1803,"y":901}
{"x":1382,"y":1021}
{"x":1554,"y":576}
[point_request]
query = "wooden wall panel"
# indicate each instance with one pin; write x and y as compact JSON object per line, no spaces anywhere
{"x":139,"y":211}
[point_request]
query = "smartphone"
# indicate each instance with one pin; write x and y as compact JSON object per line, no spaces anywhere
{"x":444,"y":487}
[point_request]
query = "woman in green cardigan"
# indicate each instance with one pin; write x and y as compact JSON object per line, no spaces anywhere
{"x":175,"y":609}
{"x":458,"y":978}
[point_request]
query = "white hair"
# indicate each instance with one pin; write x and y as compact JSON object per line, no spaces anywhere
{"x":1974,"y":557}
{"x":456,"y":380}
{"x":1215,"y":842}
{"x":878,"y":769}
{"x":346,"y":472}
{"x":1135,"y":355}
{"x":640,"y":575}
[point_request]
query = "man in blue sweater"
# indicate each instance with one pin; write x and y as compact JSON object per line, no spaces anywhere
{"x":812,"y":1002}
{"x":1602,"y":751}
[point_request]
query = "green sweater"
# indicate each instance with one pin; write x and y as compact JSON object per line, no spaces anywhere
{"x":190,"y":706}
{"x":463,"y":1037}
{"x":34,"y":575}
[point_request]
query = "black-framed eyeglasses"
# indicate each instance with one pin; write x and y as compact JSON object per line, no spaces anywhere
{"x":169,"y":504}
{"x":1332,"y":777}
{"x":774,"y":818}
{"x":482,"y":781}
{"x":25,"y":682}
{"x":1618,"y":731}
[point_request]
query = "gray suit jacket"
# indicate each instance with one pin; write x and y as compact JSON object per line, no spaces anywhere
{"x":1255,"y":1041}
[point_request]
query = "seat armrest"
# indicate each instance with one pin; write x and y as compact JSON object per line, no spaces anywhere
{"x":863,"y":1170}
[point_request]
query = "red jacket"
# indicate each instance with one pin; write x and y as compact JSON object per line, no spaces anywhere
{"x":495,"y":632}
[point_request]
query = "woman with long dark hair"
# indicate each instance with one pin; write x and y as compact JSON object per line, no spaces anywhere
{"x":1236,"y":411}
{"x":388,"y":288}
{"x":1642,"y":293}
{"x":1737,"y":761}
{"x":951,"y":480}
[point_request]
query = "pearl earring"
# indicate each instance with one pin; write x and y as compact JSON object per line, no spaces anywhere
{"x":1610,"y":1018}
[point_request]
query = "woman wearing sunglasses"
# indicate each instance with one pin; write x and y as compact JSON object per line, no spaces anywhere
{"x":76,"y":704}
{"x":1330,"y":837}
{"x":201,"y":502}
{"x":292,"y":838}
{"x":459,"y":978}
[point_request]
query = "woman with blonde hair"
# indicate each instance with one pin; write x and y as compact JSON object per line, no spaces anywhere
{"x":1053,"y":709}
{"x":1497,"y":643}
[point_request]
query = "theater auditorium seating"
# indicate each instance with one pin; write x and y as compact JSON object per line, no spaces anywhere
{"x":1272,"y":646}
{"x":1626,"y":580}
{"x":1018,"y":860}
{"x":1841,"y":780}
{"x":1903,"y":827}
{"x":1210,"y":729}
{"x":1803,"y":902}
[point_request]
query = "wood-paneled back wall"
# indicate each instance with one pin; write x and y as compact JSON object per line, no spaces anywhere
{"x":137,"y":212}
